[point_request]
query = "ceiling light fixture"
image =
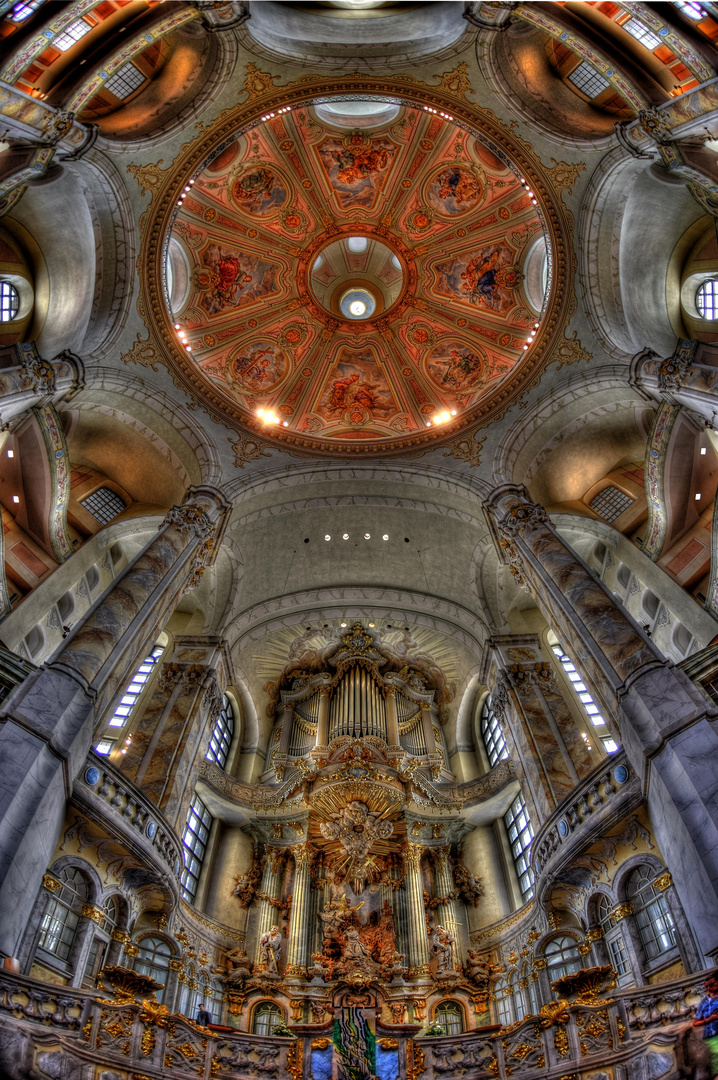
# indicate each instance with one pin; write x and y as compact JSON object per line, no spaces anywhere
{"x":385,"y":536}
{"x":16,"y":498}
{"x":327,"y":536}
{"x":11,"y":453}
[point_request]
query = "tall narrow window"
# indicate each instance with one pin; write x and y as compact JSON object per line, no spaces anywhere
{"x":504,"y":1003}
{"x":61,"y":920}
{"x":613,"y":938}
{"x":133,"y":691}
{"x":9,"y":301}
{"x":153,"y":959}
{"x":650,"y":911}
{"x":221,"y":737}
{"x":584,"y":696}
{"x":492,"y":734}
{"x":520,"y":830}
{"x":194,"y":842}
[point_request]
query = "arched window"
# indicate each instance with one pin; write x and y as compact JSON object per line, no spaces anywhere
{"x":194,"y":843}
{"x":492,"y":734}
{"x":561,"y":957}
{"x":213,"y":1001}
{"x":266,"y":1017}
{"x":520,"y":996}
{"x":707,"y":299}
{"x":130,"y":697}
{"x":650,"y":911}
{"x":9,"y":301}
{"x":62,"y":916}
{"x":222,"y":733}
{"x":613,"y":937}
{"x":153,"y":959}
{"x":610,"y":503}
{"x":504,"y":1003}
{"x":521,"y":833}
{"x":104,"y":505}
{"x":451,"y":1016}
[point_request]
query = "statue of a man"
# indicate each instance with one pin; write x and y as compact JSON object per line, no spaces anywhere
{"x":238,"y":966}
{"x":269,"y":945}
{"x":442,"y":942}
{"x":354,"y":949}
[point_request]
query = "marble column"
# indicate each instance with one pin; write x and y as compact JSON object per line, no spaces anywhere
{"x":323,"y":717}
{"x":445,"y":886}
{"x":392,"y":720}
{"x":667,"y":727}
{"x":689,"y":377}
{"x":32,"y":381}
{"x":299,"y":921}
{"x":268,"y":913}
{"x":416,"y":930}
{"x":48,"y":721}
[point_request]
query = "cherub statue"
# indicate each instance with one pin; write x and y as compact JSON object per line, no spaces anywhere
{"x":269,"y":945}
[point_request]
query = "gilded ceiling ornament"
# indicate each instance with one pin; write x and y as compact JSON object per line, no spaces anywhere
{"x":565,"y":175}
{"x":258,"y":82}
{"x":246,"y":448}
{"x":467,"y":449}
{"x":571,"y":351}
{"x":148,"y":176}
{"x":144,"y":353}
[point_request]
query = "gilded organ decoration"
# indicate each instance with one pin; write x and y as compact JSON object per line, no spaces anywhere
{"x":356,"y":829}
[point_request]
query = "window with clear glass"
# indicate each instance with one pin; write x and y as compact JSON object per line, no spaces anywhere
{"x":213,"y":1001}
{"x":691,"y":9}
{"x":504,"y":1003}
{"x":651,"y":913}
{"x":21,"y":11}
{"x":266,"y":1017}
{"x":194,"y":843}
{"x":62,"y":916}
{"x":153,"y":960}
{"x":125,"y":81}
{"x":492,"y":734}
{"x":221,"y":737}
{"x":520,"y":996}
{"x":641,"y":33}
{"x":707,"y":299}
{"x":129,"y":699}
{"x":105,"y":746}
{"x":450,"y":1015}
{"x":71,"y":34}
{"x":586,"y":698}
{"x":610,"y":503}
{"x":521,"y":833}
{"x":561,"y":957}
{"x":587,"y":80}
{"x":104,"y":505}
{"x":613,"y":937}
{"x":9,"y":301}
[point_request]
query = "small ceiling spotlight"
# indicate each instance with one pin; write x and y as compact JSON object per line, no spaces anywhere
{"x":342,"y":624}
{"x":385,"y":536}
{"x":327,"y":536}
{"x":367,"y":536}
{"x":11,"y":453}
{"x":345,"y":536}
{"x":16,"y":498}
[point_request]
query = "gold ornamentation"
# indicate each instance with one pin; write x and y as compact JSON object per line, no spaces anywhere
{"x":144,"y":353}
{"x":622,"y":910}
{"x":174,"y":964}
{"x":388,"y":1044}
{"x":247,"y":448}
{"x":126,"y":985}
{"x":294,"y":1061}
{"x":149,"y":177}
{"x":412,"y":855}
{"x":122,"y":936}
{"x":147,"y":1042}
{"x":51,"y":883}
{"x":663,"y":881}
{"x":621,"y":1028}
{"x":235,"y":1002}
{"x":132,"y":950}
{"x":419,"y":1008}
{"x":468,"y":449}
{"x":91,"y":912}
{"x":297,"y":1007}
{"x":560,"y":1040}
{"x":258,"y":82}
{"x":456,"y":82}
{"x":417,"y":1062}
{"x":153,"y":1012}
{"x":320,"y":1044}
{"x":571,"y":351}
{"x":594,"y":934}
{"x":554,"y":1012}
{"x":564,"y":176}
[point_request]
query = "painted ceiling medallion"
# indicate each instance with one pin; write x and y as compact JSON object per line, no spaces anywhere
{"x":350,"y":289}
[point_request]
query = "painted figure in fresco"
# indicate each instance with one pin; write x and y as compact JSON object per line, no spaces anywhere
{"x":231,"y":280}
{"x":442,"y":944}
{"x":269,"y":945}
{"x":458,"y":185}
{"x":460,"y":367}
{"x":355,"y":165}
{"x":479,"y":279}
{"x":254,"y":186}
{"x":340,"y":389}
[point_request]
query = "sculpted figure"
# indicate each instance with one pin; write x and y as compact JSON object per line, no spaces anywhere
{"x":442,"y":944}
{"x":270,"y":943}
{"x":354,"y":950}
{"x":478,"y":970}
{"x":238,"y":967}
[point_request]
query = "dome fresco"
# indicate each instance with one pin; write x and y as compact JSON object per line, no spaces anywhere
{"x":271,"y":228}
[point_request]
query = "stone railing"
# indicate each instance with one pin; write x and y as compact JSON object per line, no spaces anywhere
{"x":109,"y":797}
{"x":503,"y":773}
{"x":572,"y":1039}
{"x":608,"y":793}
{"x":30,"y":999}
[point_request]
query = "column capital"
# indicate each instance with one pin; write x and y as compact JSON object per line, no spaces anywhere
{"x":412,"y":854}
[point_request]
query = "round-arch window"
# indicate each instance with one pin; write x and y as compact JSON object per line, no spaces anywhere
{"x":451,"y":1016}
{"x":9,"y":301}
{"x":561,"y":957}
{"x":707,"y":299}
{"x":266,"y":1017}
{"x":651,"y":912}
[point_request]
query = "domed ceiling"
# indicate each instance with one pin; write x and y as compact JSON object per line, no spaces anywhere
{"x":356,"y":278}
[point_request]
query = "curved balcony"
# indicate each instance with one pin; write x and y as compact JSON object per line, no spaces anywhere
{"x":607,"y":795}
{"x":110,"y":800}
